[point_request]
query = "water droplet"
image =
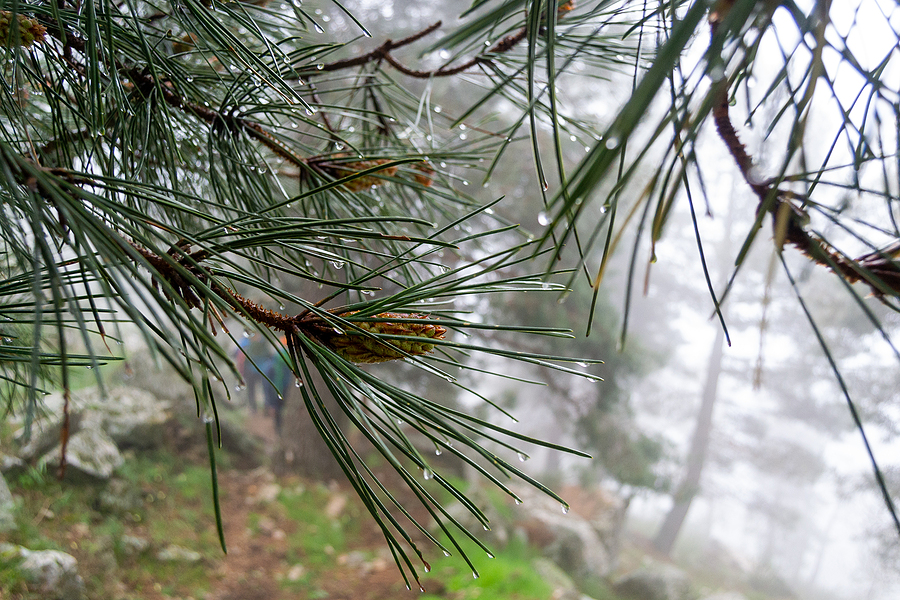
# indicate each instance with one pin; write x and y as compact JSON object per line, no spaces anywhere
{"x":444,"y":54}
{"x":427,"y":474}
{"x":318,"y":28}
{"x":486,"y":527}
{"x":463,"y":136}
{"x":438,"y":451}
{"x":437,"y":109}
{"x":523,"y":457}
{"x":612,"y":142}
{"x":298,"y":383}
{"x":427,"y":568}
{"x":582,"y":363}
{"x":462,"y":127}
{"x":518,"y":502}
{"x":189,"y":79}
{"x":239,"y":388}
{"x":489,"y":555}
{"x":475,"y":575}
{"x":337,"y":264}
{"x":465,"y":182}
{"x":446,"y":553}
{"x":565,"y":508}
{"x":320,"y":66}
{"x":543,"y":218}
{"x":572,"y":138}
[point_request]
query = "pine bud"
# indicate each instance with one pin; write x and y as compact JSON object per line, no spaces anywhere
{"x":564,"y":7}
{"x":359,"y":348}
{"x":341,"y":170}
{"x":425,"y":175}
{"x":29,"y":30}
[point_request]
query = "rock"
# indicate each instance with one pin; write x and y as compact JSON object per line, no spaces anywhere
{"x":7,"y":508}
{"x":295,"y":572}
{"x":569,"y":540}
{"x":175,"y":553}
{"x":132,"y":545}
{"x":54,"y":573}
{"x":563,"y":586}
{"x":133,"y":418}
{"x":90,"y":455}
{"x":12,"y":466}
{"x":655,"y":581}
{"x":46,"y":429}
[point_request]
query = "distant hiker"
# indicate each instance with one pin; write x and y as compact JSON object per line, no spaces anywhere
{"x":278,"y":370}
{"x":253,"y":352}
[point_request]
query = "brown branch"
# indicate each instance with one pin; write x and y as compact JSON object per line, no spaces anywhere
{"x":878,"y":270}
{"x":379,"y":52}
{"x":383,"y":53}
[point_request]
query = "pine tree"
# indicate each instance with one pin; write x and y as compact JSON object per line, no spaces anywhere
{"x":178,"y":164}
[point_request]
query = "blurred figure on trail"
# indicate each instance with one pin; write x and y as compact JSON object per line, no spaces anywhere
{"x":277,"y":370}
{"x":252,"y":354}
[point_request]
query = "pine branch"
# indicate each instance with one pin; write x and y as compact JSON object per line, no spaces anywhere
{"x":879,"y":270}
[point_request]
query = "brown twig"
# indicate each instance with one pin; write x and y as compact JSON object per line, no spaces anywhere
{"x":878,"y":270}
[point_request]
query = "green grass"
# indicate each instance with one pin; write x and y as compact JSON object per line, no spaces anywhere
{"x":509,"y":575}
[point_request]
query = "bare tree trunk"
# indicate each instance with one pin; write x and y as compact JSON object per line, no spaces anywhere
{"x":690,"y":485}
{"x":300,"y":449}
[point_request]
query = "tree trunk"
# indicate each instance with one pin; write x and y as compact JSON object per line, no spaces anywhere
{"x":300,"y":449}
{"x":690,"y":485}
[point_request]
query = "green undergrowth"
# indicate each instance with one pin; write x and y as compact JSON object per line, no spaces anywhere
{"x":165,"y":499}
{"x":509,"y":575}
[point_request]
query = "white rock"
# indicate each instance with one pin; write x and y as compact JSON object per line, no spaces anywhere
{"x":55,"y":573}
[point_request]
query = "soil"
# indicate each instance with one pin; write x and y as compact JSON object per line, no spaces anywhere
{"x":257,"y":565}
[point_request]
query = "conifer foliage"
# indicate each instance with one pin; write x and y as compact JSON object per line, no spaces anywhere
{"x":181,"y":164}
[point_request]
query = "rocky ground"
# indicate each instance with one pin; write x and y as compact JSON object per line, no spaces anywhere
{"x":133,"y":519}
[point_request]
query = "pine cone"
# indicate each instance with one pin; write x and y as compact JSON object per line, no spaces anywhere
{"x":359,"y":348}
{"x":29,"y":30}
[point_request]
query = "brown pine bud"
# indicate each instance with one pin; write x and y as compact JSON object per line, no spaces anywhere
{"x":357,"y":347}
{"x":564,"y":7}
{"x":28,"y":32}
{"x":185,"y":44}
{"x":425,"y":175}
{"x":341,"y":170}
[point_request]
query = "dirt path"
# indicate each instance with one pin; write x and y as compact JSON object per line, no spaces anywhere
{"x":261,"y":565}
